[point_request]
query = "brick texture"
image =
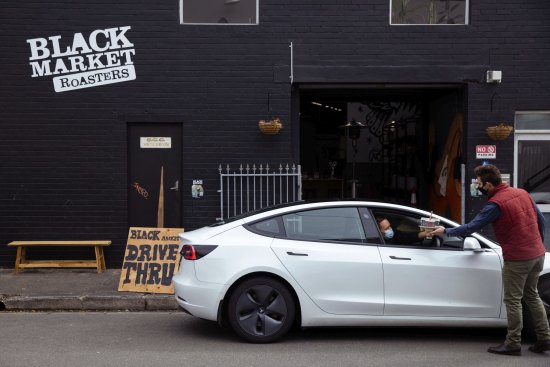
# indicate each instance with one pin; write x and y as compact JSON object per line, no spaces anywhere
{"x":63,"y":156}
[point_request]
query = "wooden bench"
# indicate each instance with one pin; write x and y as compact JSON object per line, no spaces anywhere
{"x":21,"y":261}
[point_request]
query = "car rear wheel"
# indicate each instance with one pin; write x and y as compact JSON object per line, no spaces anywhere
{"x":261,"y":310}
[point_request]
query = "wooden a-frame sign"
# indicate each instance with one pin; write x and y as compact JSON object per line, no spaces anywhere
{"x":150,"y":261}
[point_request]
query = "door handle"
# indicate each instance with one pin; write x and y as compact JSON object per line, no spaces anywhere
{"x":295,"y":253}
{"x":399,"y":258}
{"x":176,"y":186}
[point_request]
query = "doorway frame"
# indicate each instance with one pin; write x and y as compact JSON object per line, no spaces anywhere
{"x":137,"y":119}
{"x":462,"y":88}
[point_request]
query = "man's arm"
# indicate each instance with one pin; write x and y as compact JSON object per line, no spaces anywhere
{"x":407,"y":238}
{"x":487,"y":215}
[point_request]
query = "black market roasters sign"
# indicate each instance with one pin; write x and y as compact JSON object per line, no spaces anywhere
{"x":105,"y":56}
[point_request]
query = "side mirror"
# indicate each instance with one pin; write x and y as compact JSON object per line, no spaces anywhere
{"x":471,"y":243}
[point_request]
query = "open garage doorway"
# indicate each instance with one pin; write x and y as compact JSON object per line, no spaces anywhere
{"x":400,"y":144}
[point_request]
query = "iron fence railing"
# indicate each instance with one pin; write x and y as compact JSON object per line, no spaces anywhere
{"x":254,"y":187}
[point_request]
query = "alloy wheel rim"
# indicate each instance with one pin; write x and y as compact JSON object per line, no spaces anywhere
{"x":261,"y":310}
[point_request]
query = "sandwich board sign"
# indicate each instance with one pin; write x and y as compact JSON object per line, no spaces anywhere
{"x":150,"y":261}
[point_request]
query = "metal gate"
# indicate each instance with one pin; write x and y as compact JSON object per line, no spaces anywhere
{"x":251,"y":187}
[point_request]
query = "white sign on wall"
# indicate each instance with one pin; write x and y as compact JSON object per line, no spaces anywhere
{"x":105,"y":56}
{"x":486,"y":151}
{"x":155,"y":142}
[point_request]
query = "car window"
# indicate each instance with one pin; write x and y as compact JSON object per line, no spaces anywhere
{"x":269,"y":227}
{"x":405,"y":228}
{"x":329,"y":224}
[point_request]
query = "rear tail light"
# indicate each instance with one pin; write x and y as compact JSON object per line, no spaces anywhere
{"x":195,"y":252}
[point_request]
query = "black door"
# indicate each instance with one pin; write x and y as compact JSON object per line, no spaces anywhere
{"x":154,"y":175}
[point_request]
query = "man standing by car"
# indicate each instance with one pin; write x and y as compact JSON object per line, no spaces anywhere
{"x":519,"y":228}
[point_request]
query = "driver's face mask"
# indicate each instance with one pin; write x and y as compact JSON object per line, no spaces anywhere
{"x":388,"y":234}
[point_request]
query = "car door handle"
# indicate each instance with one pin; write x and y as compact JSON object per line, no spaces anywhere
{"x":295,"y":253}
{"x":399,"y":258}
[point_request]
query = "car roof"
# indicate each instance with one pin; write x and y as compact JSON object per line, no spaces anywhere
{"x":278,"y":210}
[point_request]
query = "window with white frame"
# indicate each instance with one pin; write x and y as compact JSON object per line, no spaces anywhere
{"x":531,"y":162}
{"x":219,"y":12}
{"x":437,"y":12}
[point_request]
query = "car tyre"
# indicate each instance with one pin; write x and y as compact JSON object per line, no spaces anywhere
{"x":261,"y":310}
{"x":544,"y":293}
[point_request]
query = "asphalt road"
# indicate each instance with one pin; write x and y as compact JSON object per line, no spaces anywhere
{"x":136,"y":339}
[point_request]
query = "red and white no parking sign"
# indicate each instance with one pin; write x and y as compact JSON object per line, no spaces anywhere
{"x":486,"y":151}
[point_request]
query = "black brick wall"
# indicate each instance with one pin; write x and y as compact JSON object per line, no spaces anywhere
{"x":63,"y":156}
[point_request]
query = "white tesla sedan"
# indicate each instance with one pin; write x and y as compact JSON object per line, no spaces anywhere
{"x":328,"y":264}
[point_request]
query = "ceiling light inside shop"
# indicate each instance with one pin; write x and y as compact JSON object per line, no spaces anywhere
{"x":326,"y":106}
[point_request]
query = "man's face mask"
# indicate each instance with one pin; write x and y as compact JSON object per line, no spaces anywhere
{"x":388,"y":234}
{"x":481,"y":189}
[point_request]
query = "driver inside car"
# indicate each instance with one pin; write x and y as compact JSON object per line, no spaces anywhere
{"x":396,"y":237}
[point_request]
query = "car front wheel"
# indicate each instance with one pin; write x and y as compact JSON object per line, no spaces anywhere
{"x":261,"y":310}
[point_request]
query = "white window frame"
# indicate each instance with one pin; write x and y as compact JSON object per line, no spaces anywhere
{"x":221,"y":24}
{"x":466,"y":18}
{"x":525,"y":135}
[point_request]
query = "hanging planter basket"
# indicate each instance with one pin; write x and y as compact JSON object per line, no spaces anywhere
{"x":270,"y":127}
{"x":499,"y":132}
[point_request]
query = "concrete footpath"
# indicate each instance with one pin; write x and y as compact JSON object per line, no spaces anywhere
{"x":74,"y":290}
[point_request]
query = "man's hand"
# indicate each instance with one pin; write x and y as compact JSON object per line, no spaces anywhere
{"x":438,"y":231}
